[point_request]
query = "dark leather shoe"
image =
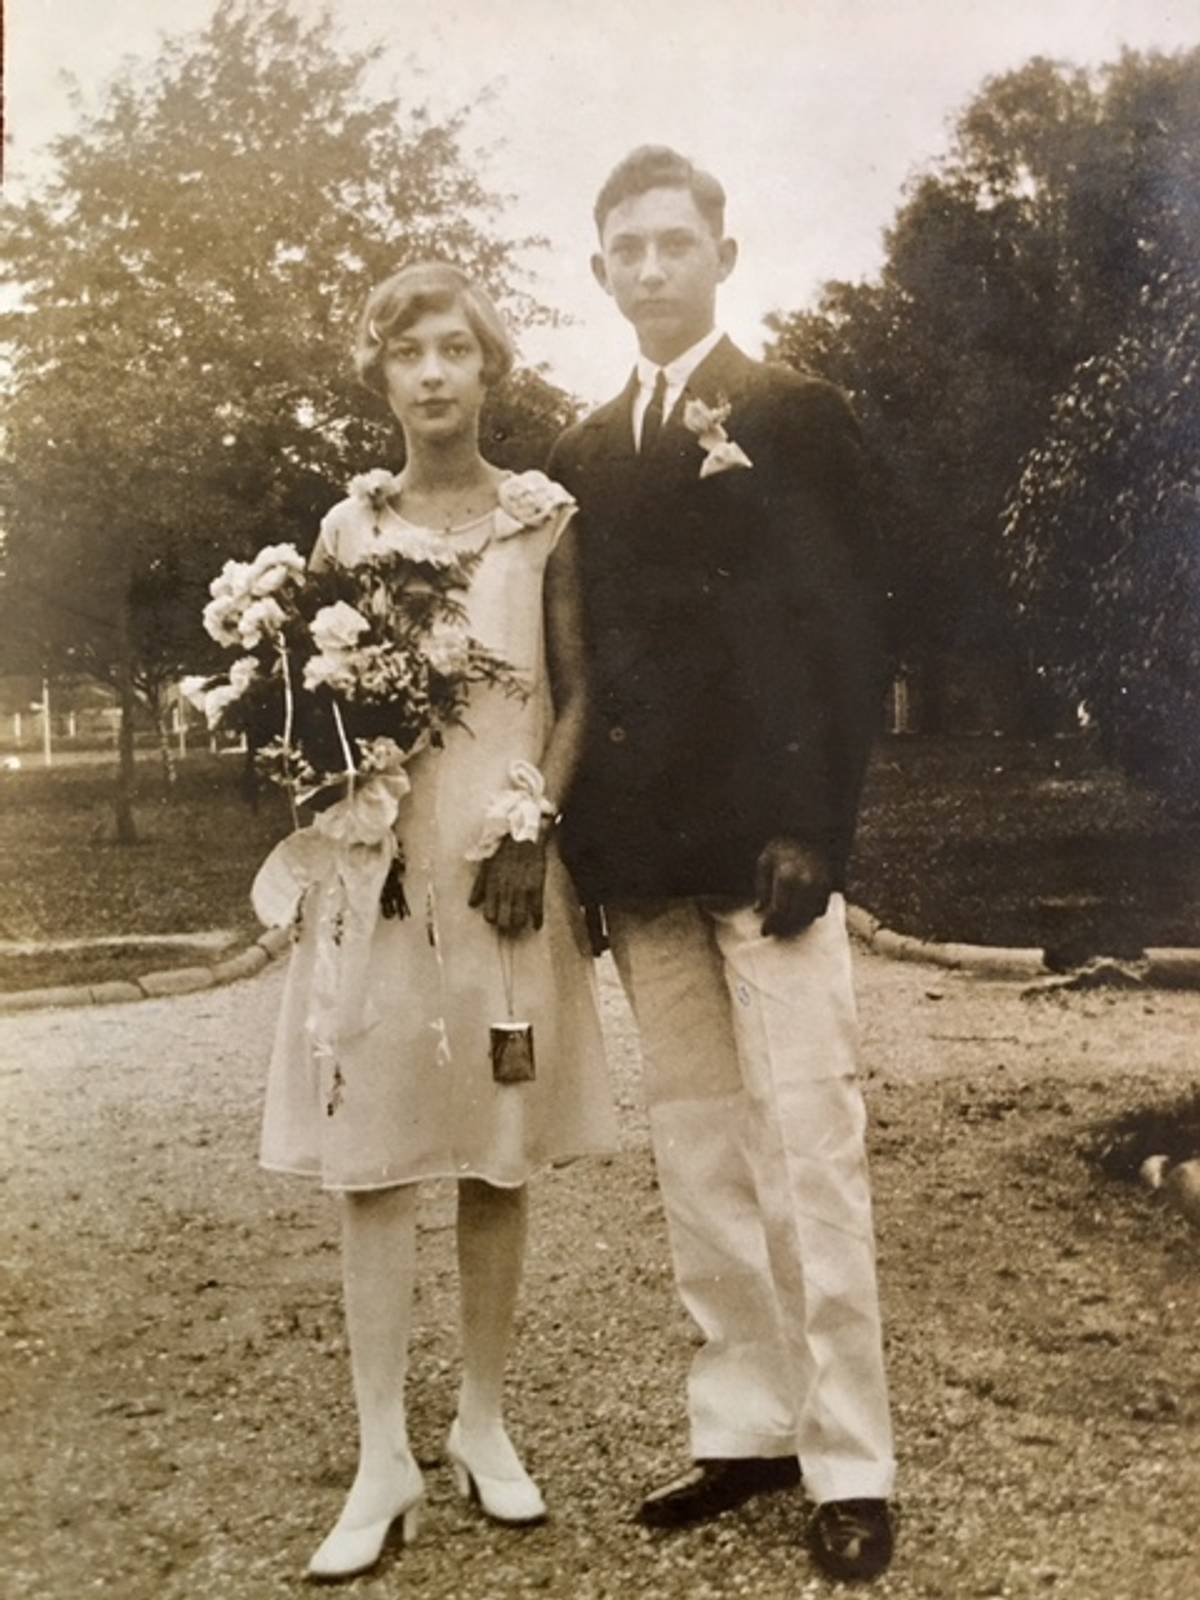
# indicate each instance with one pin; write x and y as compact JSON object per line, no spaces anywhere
{"x":851,"y":1539}
{"x":714,"y":1486}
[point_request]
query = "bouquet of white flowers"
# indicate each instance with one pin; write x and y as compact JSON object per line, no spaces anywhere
{"x":345,"y":673}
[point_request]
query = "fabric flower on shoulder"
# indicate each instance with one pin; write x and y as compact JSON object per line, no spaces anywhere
{"x":372,"y":495}
{"x":527,"y":500}
{"x":374,"y":489}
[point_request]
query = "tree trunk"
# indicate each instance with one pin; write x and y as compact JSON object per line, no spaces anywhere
{"x":127,"y":699}
{"x":249,"y":783}
{"x":166,"y":754}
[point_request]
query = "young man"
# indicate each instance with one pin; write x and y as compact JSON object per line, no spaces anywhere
{"x":735,"y":681}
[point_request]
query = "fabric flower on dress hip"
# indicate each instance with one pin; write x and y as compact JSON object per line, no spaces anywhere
{"x":514,"y":813}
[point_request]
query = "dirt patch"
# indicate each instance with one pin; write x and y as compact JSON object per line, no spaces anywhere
{"x":176,"y":1405}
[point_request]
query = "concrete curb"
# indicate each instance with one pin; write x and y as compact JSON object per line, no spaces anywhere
{"x":275,"y":942}
{"x":1173,"y":968}
{"x":1160,"y":968}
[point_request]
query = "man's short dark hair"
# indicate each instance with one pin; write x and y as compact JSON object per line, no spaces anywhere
{"x":657,"y":166}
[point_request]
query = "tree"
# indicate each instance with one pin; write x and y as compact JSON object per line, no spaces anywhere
{"x":1028,"y":251}
{"x":188,"y":280}
{"x":1104,"y":542}
{"x":522,"y":419}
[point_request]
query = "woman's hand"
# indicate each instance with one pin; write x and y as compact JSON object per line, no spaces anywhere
{"x":509,"y":886}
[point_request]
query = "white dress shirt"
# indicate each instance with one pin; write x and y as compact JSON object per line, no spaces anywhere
{"x":677,"y":373}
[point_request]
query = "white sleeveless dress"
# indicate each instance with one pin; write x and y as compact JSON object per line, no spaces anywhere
{"x":417,"y":1098}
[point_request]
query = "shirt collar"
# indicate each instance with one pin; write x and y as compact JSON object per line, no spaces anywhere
{"x":680,"y":370}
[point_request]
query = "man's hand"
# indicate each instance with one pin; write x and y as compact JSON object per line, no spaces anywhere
{"x":509,"y":886}
{"x":792,"y":887}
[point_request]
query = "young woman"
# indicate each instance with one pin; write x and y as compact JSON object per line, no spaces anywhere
{"x":486,"y":946}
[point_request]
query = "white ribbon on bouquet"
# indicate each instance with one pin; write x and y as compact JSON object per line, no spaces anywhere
{"x":333,"y":872}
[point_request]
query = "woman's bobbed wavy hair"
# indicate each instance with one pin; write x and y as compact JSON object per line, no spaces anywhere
{"x":407,"y":296}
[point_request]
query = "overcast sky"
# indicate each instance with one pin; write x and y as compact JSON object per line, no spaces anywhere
{"x":812,"y":112}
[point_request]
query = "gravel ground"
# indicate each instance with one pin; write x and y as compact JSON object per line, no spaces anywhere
{"x":176,"y":1403}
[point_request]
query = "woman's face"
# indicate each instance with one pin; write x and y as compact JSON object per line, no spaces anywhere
{"x":433,"y":375}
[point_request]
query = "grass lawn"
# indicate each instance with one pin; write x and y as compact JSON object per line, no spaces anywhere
{"x":61,"y":877}
{"x":996,"y":841}
{"x":984,"y":840}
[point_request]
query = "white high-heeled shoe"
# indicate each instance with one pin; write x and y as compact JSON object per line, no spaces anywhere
{"x":346,"y":1552}
{"x":513,"y":1500}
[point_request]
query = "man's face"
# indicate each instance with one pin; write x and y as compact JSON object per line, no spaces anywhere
{"x":661,"y":263}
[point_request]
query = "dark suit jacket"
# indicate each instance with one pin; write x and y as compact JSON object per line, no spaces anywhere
{"x":731,"y":635}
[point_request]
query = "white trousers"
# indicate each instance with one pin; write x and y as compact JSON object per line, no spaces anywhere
{"x":748,"y":1047}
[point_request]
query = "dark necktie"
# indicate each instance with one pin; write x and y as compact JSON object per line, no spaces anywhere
{"x":652,"y":421}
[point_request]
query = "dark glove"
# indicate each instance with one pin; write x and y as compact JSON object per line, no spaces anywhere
{"x":509,"y":886}
{"x":792,"y":887}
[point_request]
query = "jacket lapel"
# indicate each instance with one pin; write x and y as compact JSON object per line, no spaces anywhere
{"x":720,"y":377}
{"x":612,"y":426}
{"x":663,"y":478}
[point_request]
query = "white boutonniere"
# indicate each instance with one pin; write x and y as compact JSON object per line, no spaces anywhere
{"x":708,"y":424}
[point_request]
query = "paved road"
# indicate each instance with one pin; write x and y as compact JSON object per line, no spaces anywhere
{"x":175,"y":1408}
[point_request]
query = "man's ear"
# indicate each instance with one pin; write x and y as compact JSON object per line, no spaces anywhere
{"x":727,"y":254}
{"x":600,"y":272}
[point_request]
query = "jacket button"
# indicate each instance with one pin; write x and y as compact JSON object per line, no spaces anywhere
{"x":617,"y":734}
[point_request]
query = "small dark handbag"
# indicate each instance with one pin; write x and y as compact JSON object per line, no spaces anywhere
{"x":512,"y":1052}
